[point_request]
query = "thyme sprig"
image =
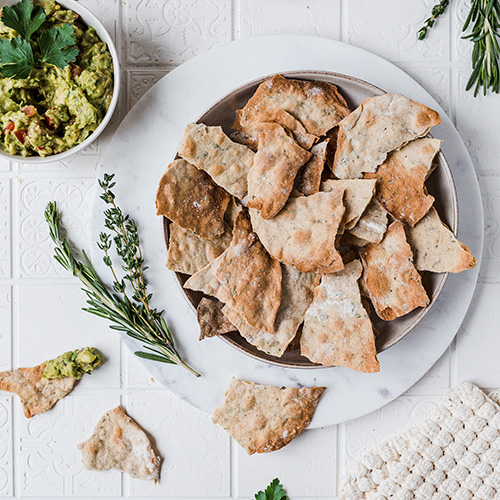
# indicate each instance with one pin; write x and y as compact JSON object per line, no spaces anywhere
{"x":130,"y":314}
{"x":484,"y":16}
{"x":437,"y":11}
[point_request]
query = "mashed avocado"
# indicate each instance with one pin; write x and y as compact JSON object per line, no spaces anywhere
{"x":73,"y":363}
{"x":55,"y":109}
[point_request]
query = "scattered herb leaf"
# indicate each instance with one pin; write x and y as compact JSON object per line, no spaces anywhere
{"x":24,"y":18}
{"x":437,"y":11}
{"x":273,"y":492}
{"x":16,"y":58}
{"x":57,"y":45}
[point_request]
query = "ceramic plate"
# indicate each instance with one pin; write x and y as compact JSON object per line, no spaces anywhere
{"x":147,"y":140}
{"x":440,"y":185}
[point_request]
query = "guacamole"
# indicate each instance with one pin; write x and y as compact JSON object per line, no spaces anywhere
{"x":56,"y":109}
{"x":73,"y":363}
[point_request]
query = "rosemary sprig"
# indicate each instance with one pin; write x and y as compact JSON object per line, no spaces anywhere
{"x":437,"y":11}
{"x":132,"y":315}
{"x":485,"y":17}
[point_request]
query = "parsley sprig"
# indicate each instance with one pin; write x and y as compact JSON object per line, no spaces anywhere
{"x":130,"y":314}
{"x":57,"y":45}
{"x":273,"y":492}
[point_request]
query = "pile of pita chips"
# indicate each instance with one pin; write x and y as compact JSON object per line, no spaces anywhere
{"x":119,"y":443}
{"x":263,"y":418}
{"x":338,"y":228}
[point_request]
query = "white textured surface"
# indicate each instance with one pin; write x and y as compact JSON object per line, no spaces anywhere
{"x":37,"y":314}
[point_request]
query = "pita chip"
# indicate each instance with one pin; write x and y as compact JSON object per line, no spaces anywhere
{"x":37,"y":393}
{"x":318,"y":106}
{"x":299,"y":132}
{"x":303,"y":233}
{"x":372,"y":224}
{"x":188,"y":253}
{"x":277,"y":161}
{"x":232,"y":211}
{"x":435,"y":247}
{"x":206,"y":281}
{"x":380,"y":124}
{"x":251,"y":275}
{"x":119,"y":443}
{"x":337,"y":330}
{"x":211,"y":319}
{"x":211,"y":150}
{"x":401,"y":180}
{"x":263,"y":418}
{"x":357,"y":195}
{"x":296,"y":294}
{"x":189,"y":197}
{"x":394,"y":285}
{"x":308,"y":177}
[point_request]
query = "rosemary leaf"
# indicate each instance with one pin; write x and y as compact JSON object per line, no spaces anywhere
{"x":437,"y":11}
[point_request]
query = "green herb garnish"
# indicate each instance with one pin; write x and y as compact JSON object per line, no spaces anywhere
{"x":485,"y":17}
{"x":130,"y":314}
{"x":437,"y":11}
{"x":57,"y":45}
{"x":273,"y":492}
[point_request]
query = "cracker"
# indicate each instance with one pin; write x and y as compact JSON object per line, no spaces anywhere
{"x":357,"y":195}
{"x":270,"y":180}
{"x":401,"y":180}
{"x":317,"y":105}
{"x":372,"y":224}
{"x":394,"y":285}
{"x":232,"y":211}
{"x":188,"y":253}
{"x":337,"y":330}
{"x":436,"y":248}
{"x":211,"y":319}
{"x":119,"y":443}
{"x":206,"y":281}
{"x":211,"y":150}
{"x":296,"y":295}
{"x":380,"y":124}
{"x":37,"y":393}
{"x":299,"y":132}
{"x":303,"y":233}
{"x":251,"y":275}
{"x":189,"y":197}
{"x":308,"y":177}
{"x":245,"y":139}
{"x":263,"y":418}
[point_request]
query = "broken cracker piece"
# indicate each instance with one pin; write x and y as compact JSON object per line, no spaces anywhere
{"x":372,"y":224}
{"x":337,"y":330}
{"x":263,"y":418}
{"x":394,"y":285}
{"x":211,"y":319}
{"x":119,"y":443}
{"x":308,"y":177}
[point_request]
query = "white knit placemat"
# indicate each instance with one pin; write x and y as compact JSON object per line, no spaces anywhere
{"x":455,"y":454}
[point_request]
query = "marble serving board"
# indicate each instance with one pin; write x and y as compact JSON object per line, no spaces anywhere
{"x":139,"y":153}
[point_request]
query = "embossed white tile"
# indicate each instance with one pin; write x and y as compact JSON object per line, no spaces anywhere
{"x":315,"y":17}
{"x":490,"y":191}
{"x":390,"y":29}
{"x":475,"y":119}
{"x":463,"y":47}
{"x":49,"y":461}
{"x":306,"y":467}
{"x":140,"y":81}
{"x":83,"y":163}
{"x":195,"y":452}
{"x":438,"y":377}
{"x":6,"y":455}
{"x":477,"y":359}
{"x":5,"y":228}
{"x":4,"y":165}
{"x":436,"y":80}
{"x":172,"y":31}
{"x":136,"y":376}
{"x":51,"y":322}
{"x":5,"y":327}
{"x":74,"y":198}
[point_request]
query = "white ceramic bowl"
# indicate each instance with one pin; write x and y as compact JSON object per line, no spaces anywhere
{"x":90,"y":20}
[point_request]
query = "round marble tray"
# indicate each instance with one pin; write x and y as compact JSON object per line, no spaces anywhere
{"x":148,"y":138}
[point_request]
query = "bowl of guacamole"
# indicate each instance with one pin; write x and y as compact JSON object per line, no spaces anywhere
{"x":59,"y":80}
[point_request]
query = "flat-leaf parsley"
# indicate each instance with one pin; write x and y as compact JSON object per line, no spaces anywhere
{"x":273,"y":492}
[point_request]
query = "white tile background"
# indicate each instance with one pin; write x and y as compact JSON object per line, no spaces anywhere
{"x":40,"y":305}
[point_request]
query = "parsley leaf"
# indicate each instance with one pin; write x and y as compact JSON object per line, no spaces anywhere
{"x":16,"y":58}
{"x":23,"y":18}
{"x":273,"y":492}
{"x":57,"y":45}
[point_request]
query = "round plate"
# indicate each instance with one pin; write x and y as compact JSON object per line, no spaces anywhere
{"x":440,"y":184}
{"x":146,"y":141}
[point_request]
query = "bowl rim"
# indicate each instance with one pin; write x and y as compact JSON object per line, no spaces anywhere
{"x":273,"y":360}
{"x":90,"y":20}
